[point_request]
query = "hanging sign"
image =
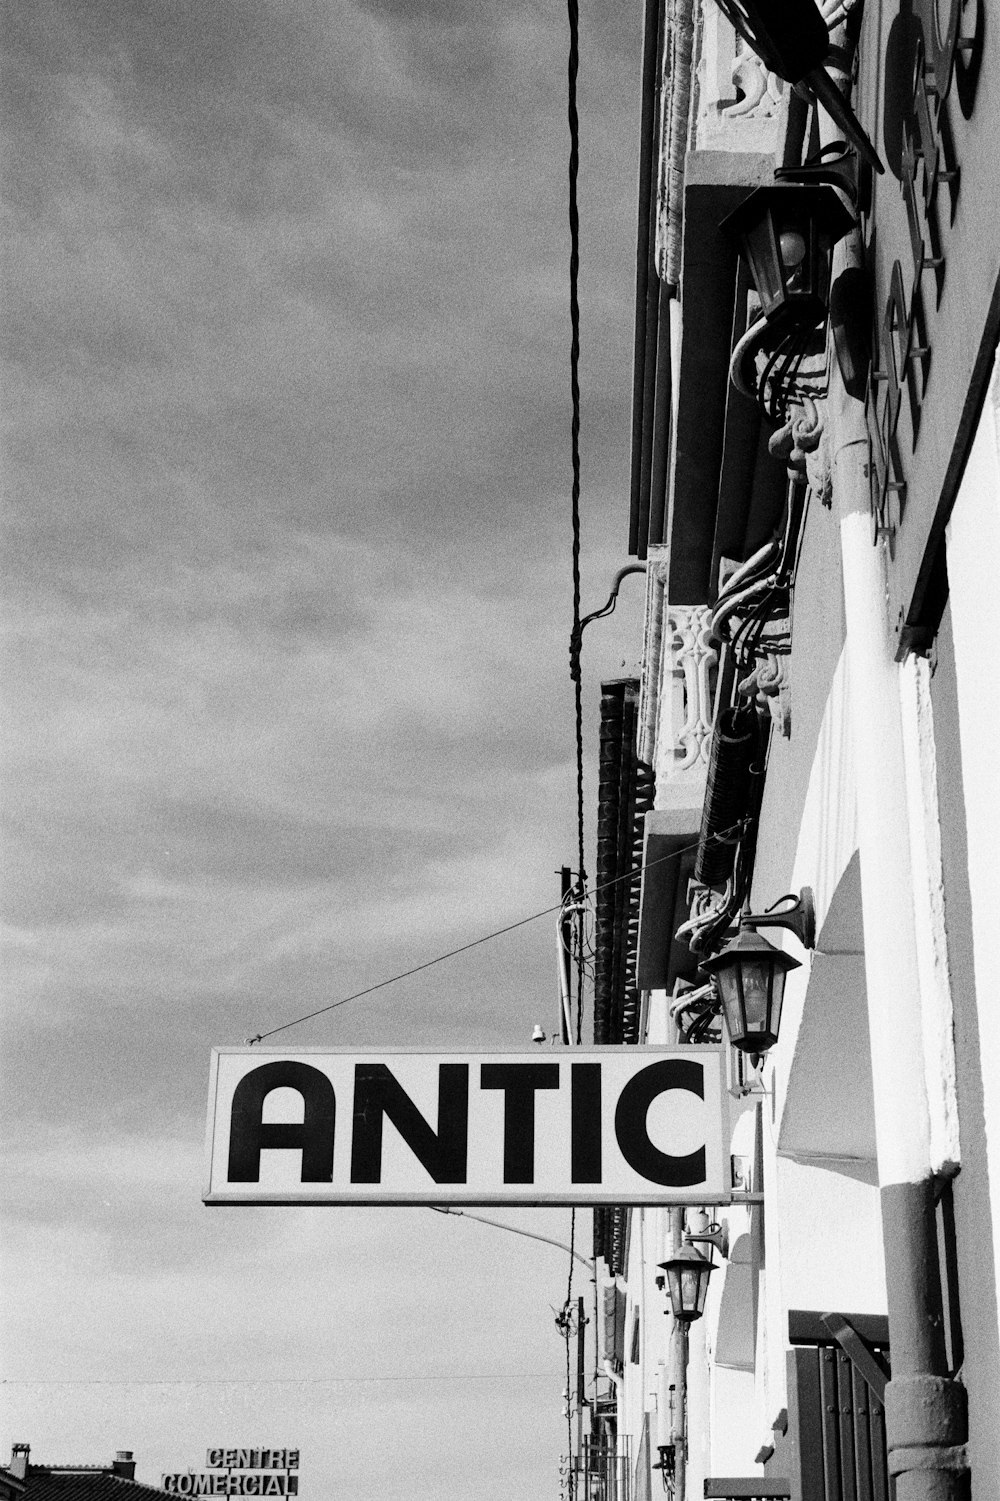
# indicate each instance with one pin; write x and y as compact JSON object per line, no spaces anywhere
{"x":615,"y":1125}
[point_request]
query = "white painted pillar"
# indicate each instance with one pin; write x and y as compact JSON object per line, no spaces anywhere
{"x":901,"y":1114}
{"x":973,"y":547}
{"x":926,"y":1418}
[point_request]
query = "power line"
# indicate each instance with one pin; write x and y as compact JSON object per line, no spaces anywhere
{"x":357,"y":995}
{"x":574,"y":361}
{"x":577,"y":630}
{"x":304,"y":1381}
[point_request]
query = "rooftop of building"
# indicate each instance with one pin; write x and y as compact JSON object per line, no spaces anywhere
{"x":74,"y":1482}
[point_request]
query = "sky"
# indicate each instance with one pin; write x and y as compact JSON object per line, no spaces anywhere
{"x":285,"y":697}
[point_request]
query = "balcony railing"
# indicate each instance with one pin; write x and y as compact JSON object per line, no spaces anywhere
{"x":601,"y":1471}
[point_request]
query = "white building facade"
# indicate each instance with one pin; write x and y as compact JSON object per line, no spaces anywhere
{"x":815,"y":711}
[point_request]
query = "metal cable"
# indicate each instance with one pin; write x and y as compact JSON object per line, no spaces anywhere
{"x":574,"y":358}
{"x":571,"y":1473}
{"x":628,"y":875}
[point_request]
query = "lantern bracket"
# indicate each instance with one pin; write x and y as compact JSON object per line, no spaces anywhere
{"x":799,"y":918}
{"x":715,"y":1235}
{"x":838,"y":165}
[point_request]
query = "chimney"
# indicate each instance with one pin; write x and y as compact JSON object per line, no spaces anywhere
{"x":124,"y":1464}
{"x":19,"y":1461}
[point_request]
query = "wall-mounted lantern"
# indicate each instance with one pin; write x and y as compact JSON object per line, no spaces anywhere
{"x":666,"y":1464}
{"x":786,"y":234}
{"x":749,"y":972}
{"x":750,"y":975}
{"x":687,"y":1276}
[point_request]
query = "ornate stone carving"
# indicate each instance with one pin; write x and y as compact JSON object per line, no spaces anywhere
{"x":735,"y":101}
{"x":692,"y":665}
{"x":760,"y":90}
{"x":680,"y":662}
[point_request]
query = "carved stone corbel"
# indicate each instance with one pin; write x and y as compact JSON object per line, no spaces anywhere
{"x":770,"y":684}
{"x":803,"y":446}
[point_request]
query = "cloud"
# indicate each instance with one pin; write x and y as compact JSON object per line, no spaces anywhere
{"x":196,"y":373}
{"x":286,"y":703}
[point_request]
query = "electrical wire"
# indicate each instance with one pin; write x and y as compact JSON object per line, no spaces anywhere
{"x":295,"y":1380}
{"x":574,"y":310}
{"x":569,"y":1408}
{"x":576,"y":633}
{"x":628,"y":875}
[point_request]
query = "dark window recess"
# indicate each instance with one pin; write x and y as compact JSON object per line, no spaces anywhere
{"x":830,"y":1443}
{"x":652,"y":352}
{"x":624,"y":796}
{"x":746,"y":1488}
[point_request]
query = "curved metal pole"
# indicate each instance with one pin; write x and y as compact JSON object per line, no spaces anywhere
{"x":515,"y":1230}
{"x":612,"y":599}
{"x":576,"y":638}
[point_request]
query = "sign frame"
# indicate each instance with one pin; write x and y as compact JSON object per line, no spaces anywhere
{"x":714,"y":1188}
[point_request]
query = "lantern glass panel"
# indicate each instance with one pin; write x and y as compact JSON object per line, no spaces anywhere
{"x":793,"y":248}
{"x":751,"y":992}
{"x":765,"y":262}
{"x":756,"y":978}
{"x":777,"y":995}
{"x":688,"y":1287}
{"x":693,"y":1288}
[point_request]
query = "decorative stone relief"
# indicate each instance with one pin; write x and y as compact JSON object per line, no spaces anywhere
{"x":759,"y":92}
{"x":680,"y":659}
{"x":693,"y":662}
{"x":738,"y":101}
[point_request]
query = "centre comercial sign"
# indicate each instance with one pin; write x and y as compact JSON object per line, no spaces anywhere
{"x":612,"y":1125}
{"x":239,"y":1472}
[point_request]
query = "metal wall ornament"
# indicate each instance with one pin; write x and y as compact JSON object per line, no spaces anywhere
{"x":948,"y":49}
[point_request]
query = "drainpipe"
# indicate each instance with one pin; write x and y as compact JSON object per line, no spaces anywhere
{"x":925,"y":1408}
{"x":677,"y":1343}
{"x":677,"y":1368}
